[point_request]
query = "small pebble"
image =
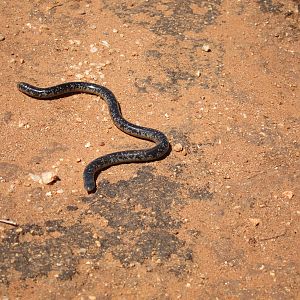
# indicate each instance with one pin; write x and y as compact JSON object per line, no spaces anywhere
{"x":149,"y":269}
{"x":87,"y":145}
{"x":44,"y":178}
{"x":288,"y":194}
{"x":48,"y":177}
{"x":255,"y":221}
{"x":206,"y":48}
{"x":60,"y":191}
{"x":93,"y":49}
{"x":23,"y":124}
{"x":178,"y":147}
{"x":75,"y":42}
{"x":2,"y":37}
{"x":105,"y":43}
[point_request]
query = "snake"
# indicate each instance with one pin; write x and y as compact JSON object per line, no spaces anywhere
{"x":93,"y":169}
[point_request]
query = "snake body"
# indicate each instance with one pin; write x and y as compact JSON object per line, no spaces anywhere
{"x":103,"y":162}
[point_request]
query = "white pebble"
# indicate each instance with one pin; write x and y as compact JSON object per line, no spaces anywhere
{"x":178,"y":147}
{"x":93,"y":49}
{"x":255,"y":221}
{"x":44,"y":178}
{"x":206,"y":48}
{"x":105,"y":43}
{"x":87,"y":145}
{"x":22,"y":123}
{"x":288,"y":194}
{"x":48,"y":177}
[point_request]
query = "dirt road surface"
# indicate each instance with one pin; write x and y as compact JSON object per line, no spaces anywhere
{"x":218,"y":218}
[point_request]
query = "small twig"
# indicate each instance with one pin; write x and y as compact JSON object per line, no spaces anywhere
{"x":54,"y":6}
{"x":8,"y":222}
{"x":273,"y":237}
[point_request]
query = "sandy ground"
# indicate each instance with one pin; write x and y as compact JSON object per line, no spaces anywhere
{"x":217,"y":220}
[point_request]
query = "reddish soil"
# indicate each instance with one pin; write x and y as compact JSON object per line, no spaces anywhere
{"x":217,"y":220}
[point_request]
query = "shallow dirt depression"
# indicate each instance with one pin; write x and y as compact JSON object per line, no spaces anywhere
{"x":216,"y":219}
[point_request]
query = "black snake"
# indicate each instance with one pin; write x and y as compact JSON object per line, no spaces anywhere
{"x":103,"y":162}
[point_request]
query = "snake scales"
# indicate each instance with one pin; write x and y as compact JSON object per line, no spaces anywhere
{"x":115,"y":158}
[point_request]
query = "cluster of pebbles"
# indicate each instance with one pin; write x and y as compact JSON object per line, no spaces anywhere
{"x":85,"y":69}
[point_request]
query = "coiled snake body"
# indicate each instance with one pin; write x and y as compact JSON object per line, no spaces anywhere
{"x":103,"y":162}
